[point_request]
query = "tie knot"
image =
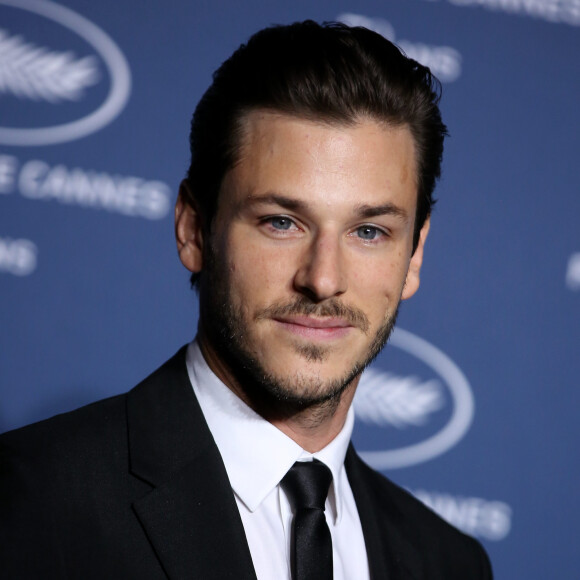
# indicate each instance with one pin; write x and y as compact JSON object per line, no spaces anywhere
{"x":306,"y":484}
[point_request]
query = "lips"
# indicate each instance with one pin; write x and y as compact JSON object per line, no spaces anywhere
{"x":303,"y":312}
{"x":311,"y":322}
{"x":316,"y":328}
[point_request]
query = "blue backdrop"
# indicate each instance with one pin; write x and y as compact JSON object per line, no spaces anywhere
{"x":474,"y":405}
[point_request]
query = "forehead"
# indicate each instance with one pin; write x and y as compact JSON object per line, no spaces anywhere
{"x":300,"y":156}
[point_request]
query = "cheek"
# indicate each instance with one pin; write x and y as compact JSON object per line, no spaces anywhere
{"x":380,"y":281}
{"x":259,"y":274}
{"x":378,"y":290}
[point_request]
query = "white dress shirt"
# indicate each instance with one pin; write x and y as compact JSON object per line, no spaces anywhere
{"x":257,"y":455}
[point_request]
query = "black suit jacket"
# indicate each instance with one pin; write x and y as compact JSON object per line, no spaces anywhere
{"x":133,"y":487}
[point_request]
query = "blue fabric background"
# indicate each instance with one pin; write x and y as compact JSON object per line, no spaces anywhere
{"x":93,"y":297}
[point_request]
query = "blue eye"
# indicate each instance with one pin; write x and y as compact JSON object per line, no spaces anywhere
{"x":281,"y":223}
{"x":367,"y":232}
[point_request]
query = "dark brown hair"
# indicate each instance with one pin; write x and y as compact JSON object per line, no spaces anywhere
{"x":330,"y":73}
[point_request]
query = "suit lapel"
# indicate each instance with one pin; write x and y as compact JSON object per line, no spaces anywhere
{"x":190,"y":516}
{"x":391,"y":553}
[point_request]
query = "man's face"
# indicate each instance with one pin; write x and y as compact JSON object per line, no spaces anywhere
{"x":310,"y":253}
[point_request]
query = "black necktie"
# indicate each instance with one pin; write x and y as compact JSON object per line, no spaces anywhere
{"x":306,"y":484}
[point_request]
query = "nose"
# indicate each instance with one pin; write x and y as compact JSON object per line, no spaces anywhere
{"x":321,"y":274}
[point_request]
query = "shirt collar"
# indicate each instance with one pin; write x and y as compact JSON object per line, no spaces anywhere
{"x":256,"y":454}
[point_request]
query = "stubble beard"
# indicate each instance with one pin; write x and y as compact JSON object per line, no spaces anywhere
{"x":272,"y":395}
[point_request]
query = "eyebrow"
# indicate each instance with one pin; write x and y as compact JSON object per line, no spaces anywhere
{"x":363,"y":211}
{"x":277,"y":199}
{"x":369,"y":211}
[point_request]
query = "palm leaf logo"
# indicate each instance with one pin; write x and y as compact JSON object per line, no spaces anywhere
{"x":387,"y":399}
{"x":37,"y":73}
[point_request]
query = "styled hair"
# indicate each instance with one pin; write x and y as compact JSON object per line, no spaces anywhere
{"x":330,"y":73}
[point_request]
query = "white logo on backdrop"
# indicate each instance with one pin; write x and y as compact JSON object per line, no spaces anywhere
{"x":33,"y":72}
{"x":404,"y":402}
{"x":18,"y":257}
{"x":566,"y":11}
{"x":37,"y":73}
{"x":443,"y":61}
{"x":128,"y":195}
{"x":573,"y":272}
{"x":387,"y":399}
{"x":476,"y":516}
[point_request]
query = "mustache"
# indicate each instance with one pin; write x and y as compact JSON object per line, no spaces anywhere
{"x":332,"y":308}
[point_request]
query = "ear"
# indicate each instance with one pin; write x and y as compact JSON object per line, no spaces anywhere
{"x":188,"y":230}
{"x":413,"y":279}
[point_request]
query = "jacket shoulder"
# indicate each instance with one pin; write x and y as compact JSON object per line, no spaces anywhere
{"x":49,"y":469}
{"x":72,"y":434}
{"x":66,"y":490}
{"x":438,"y":549}
{"x":59,"y":435}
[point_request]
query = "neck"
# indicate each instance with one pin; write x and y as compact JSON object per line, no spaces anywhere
{"x":312,"y":427}
{"x":315,"y":427}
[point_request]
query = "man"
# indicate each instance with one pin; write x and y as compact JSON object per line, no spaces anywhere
{"x":303,"y":220}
